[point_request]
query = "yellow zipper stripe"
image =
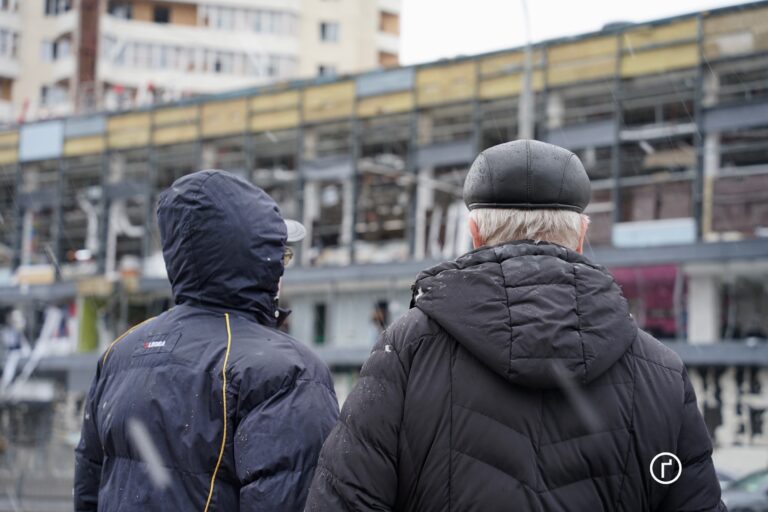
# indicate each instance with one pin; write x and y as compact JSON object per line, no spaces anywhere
{"x":224,"y":399}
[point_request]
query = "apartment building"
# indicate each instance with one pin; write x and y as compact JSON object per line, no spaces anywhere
{"x":60,"y":57}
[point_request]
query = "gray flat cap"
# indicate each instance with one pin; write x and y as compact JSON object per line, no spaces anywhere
{"x":527,"y":174}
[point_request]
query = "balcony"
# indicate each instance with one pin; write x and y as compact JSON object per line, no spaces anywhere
{"x":10,"y":21}
{"x":9,"y":67}
{"x":63,"y":68}
{"x":195,"y":37}
{"x":389,"y":43}
{"x":6,"y":112}
{"x":174,"y":80}
{"x":392,"y":6}
{"x":64,"y":23}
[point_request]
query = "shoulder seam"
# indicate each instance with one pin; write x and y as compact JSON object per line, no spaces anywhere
{"x":680,"y":372}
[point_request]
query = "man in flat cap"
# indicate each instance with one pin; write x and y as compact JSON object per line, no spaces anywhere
{"x":518,"y":380}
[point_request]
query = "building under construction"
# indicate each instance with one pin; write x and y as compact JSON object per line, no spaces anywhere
{"x":669,"y":117}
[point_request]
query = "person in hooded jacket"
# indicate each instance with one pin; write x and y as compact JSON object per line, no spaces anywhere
{"x":518,"y":380}
{"x":208,"y":406}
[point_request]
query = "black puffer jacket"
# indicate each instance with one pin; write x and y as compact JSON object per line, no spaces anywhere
{"x":234,"y":410}
{"x":518,"y":382}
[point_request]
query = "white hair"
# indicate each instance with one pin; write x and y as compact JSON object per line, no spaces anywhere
{"x":500,"y":225}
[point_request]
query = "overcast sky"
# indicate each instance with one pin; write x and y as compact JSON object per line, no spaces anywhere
{"x":435,"y":29}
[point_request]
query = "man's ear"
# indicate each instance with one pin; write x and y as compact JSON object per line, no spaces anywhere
{"x":477,"y":240}
{"x":582,"y":233}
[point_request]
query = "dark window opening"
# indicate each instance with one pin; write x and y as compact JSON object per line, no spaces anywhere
{"x":120,"y":10}
{"x":55,"y":7}
{"x":162,"y":15}
{"x":380,"y":315}
{"x":318,"y":330}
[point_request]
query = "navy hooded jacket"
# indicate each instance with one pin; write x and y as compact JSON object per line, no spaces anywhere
{"x":208,"y":406}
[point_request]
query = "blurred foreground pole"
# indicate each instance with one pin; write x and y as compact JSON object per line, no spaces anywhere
{"x":525,"y":107}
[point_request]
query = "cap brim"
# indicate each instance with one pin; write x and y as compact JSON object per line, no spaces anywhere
{"x":296,"y":231}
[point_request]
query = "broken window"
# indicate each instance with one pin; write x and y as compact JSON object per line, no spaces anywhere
{"x":331,"y":139}
{"x":326,"y":217}
{"x":744,"y":148}
{"x":385,"y":190}
{"x":658,"y":99}
{"x":82,"y":197}
{"x":745,"y":300}
{"x":665,"y":155}
{"x":600,"y":212}
{"x":740,"y":204}
{"x":39,"y":198}
{"x":582,"y":104}
{"x":227,"y":154}
{"x":7,"y":213}
{"x":597,"y":161}
{"x":445,"y":124}
{"x":498,"y":122}
{"x":442,"y":215}
{"x":275,"y":169}
{"x":653,"y":201}
{"x":128,"y":190}
{"x":737,"y":81}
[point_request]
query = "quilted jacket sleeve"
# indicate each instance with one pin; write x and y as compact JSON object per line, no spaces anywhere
{"x":88,"y":456}
{"x":697,"y":489}
{"x":358,"y":464}
{"x":277,"y":445}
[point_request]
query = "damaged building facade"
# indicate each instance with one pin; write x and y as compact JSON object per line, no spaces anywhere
{"x":670,"y":119}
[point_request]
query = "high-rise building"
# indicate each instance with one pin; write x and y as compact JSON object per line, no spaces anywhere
{"x":59,"y":57}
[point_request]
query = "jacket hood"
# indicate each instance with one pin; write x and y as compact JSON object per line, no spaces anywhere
{"x":537,"y":314}
{"x":223,"y":242}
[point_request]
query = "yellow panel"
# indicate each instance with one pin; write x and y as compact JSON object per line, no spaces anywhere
{"x":658,"y":61}
{"x":330,"y":101}
{"x":278,"y":101}
{"x":509,"y":85}
{"x":274,"y":120}
{"x":510,"y":62}
{"x":8,"y":156}
{"x":739,"y":21}
{"x":649,"y":35}
{"x":585,"y":49}
{"x":738,"y":33}
{"x":129,"y":139}
{"x":224,"y":117}
{"x":84,"y":145}
{"x":581,"y":71}
{"x":122,"y":122}
{"x":501,"y":63}
{"x":385,"y":104}
{"x":9,"y":138}
{"x":173,"y":134}
{"x":444,"y":84}
{"x":176,"y":115}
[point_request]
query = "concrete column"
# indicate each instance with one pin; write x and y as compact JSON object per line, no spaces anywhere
{"x":704,"y":308}
{"x":425,"y":199}
{"x":311,"y":210}
{"x":711,"y":154}
{"x":555,"y":110}
{"x":208,"y":156}
{"x":711,"y":163}
{"x":348,"y":209}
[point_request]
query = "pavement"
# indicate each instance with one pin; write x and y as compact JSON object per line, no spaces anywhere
{"x":50,"y":494}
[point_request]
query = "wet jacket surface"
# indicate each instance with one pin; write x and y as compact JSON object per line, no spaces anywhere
{"x":519,"y":381}
{"x":234,"y":411}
